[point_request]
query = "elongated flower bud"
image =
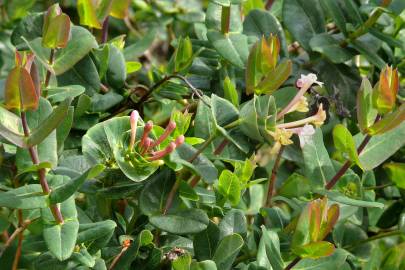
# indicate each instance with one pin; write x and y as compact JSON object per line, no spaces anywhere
{"x":146,"y":146}
{"x":179,"y":140}
{"x":146,"y":130}
{"x":169,"y":129}
{"x":160,"y":154}
{"x":134,"y":123}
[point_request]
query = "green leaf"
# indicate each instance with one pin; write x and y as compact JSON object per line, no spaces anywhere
{"x":233,"y":47}
{"x":368,"y":52}
{"x":47,"y":149}
{"x":295,"y":185}
{"x":205,"y":242}
{"x":315,"y":250}
{"x":227,"y":250}
{"x":11,"y":128}
{"x":187,"y":192}
{"x":381,"y":147}
{"x":68,"y":189}
{"x":213,"y":18}
{"x":366,"y":114}
{"x":396,"y":172}
{"x":61,"y":238}
{"x":87,"y":14}
{"x":58,"y":94}
{"x":82,"y":41}
{"x":47,"y":126}
{"x":144,"y":238}
{"x":389,"y":121}
{"x":329,"y":46}
{"x":75,"y":75}
{"x":268,"y":253}
{"x":233,"y":222}
{"x":275,"y":78}
{"x":139,"y":47}
{"x":154,"y":194}
{"x":229,"y":187}
{"x":182,"y":262}
{"x":344,"y":142}
{"x":189,"y":221}
{"x":332,"y":7}
{"x":132,"y":66}
{"x":92,"y":231}
{"x":318,"y":166}
{"x":204,"y":265}
{"x":340,"y":198}
{"x":116,"y":70}
{"x":25,"y":197}
{"x":230,"y":92}
{"x":334,"y":261}
{"x":201,"y":165}
{"x":303,"y":19}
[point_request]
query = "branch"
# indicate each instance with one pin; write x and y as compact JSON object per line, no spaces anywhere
{"x":293,"y":263}
{"x":19,"y":245}
{"x":104,"y":35}
{"x":48,"y":73}
{"x":41,"y":172}
{"x":273,"y":176}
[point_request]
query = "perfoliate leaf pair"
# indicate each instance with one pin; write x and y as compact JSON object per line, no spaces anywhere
{"x":314,"y":224}
{"x":385,"y":93}
{"x":263,"y":75}
{"x":380,"y":100}
{"x":56,"y":28}
{"x":20,"y":91}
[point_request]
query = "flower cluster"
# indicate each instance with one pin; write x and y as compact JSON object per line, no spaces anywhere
{"x":147,"y":147}
{"x":304,"y":127}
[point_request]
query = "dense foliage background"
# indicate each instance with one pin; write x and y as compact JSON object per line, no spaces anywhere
{"x":240,"y":151}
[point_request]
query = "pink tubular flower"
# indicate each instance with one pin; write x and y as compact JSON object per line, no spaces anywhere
{"x":304,"y":83}
{"x":146,"y":130}
{"x":160,"y":154}
{"x":134,"y":123}
{"x":179,"y":140}
{"x":304,"y":133}
{"x":169,"y":129}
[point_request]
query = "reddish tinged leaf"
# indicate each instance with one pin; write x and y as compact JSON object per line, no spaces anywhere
{"x":386,"y":90}
{"x":20,"y":90}
{"x":390,"y":121}
{"x":275,"y":78}
{"x":35,"y":79}
{"x":314,"y":219}
{"x":331,"y":219}
{"x":24,"y":59}
{"x":57,"y":33}
{"x":270,"y":50}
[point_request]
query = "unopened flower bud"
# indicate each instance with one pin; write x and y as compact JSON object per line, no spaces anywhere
{"x":387,"y":89}
{"x":179,"y":140}
{"x":146,"y":130}
{"x":134,"y":123}
{"x":169,"y":129}
{"x":160,"y":154}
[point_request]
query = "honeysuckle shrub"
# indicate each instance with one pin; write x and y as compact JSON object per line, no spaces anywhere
{"x":202,"y":135}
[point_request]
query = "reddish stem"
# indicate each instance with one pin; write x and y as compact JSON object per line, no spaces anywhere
{"x":41,"y":172}
{"x":272,"y":179}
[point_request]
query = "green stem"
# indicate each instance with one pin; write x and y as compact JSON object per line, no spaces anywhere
{"x":363,"y":29}
{"x":375,"y":237}
{"x":203,"y":147}
{"x":233,"y":124}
